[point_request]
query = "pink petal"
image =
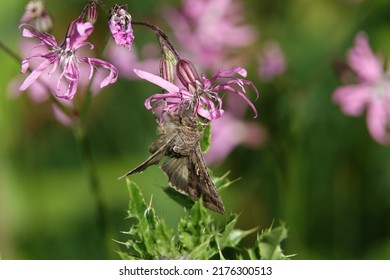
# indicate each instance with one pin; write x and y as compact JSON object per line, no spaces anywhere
{"x":171,"y":99}
{"x":79,"y":32}
{"x":353,"y":98}
{"x":377,"y":121}
{"x":227,"y":73}
{"x":363,"y":61}
{"x":229,"y":132}
{"x":239,"y":93}
{"x":46,"y":38}
{"x":34,"y":75}
{"x":96,"y":62}
{"x":156,"y":80}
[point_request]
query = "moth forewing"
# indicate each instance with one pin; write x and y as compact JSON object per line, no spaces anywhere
{"x":153,"y":159}
{"x":201,"y":184}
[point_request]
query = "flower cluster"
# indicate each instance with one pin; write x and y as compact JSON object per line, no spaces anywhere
{"x":371,"y":93}
{"x":66,"y":64}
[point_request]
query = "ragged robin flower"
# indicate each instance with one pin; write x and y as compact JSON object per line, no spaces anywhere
{"x":63,"y":58}
{"x":198,"y":94}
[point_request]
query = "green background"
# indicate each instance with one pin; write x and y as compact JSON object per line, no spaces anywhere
{"x":320,"y":171}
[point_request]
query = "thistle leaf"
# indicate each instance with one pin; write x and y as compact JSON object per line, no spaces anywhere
{"x":149,"y":237}
{"x":268,"y":245}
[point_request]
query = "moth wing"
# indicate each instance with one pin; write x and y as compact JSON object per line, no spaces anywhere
{"x":177,"y":172}
{"x":200,"y":183}
{"x":153,"y":159}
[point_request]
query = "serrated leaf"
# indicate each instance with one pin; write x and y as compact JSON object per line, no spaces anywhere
{"x":203,"y":251}
{"x":137,"y":205}
{"x":150,"y":237}
{"x":194,"y":228}
{"x":223,"y":182}
{"x":189,"y":228}
{"x":269,"y":243}
{"x":231,"y":236}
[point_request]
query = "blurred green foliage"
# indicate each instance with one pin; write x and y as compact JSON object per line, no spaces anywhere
{"x":320,"y":171}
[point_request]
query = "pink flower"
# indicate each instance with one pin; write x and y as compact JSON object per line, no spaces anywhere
{"x":120,"y":26}
{"x":212,"y":28}
{"x":272,"y":62}
{"x":371,"y":93}
{"x":200,"y":95}
{"x":63,"y":59}
{"x":231,"y":130}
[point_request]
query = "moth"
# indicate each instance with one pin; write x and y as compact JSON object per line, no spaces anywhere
{"x":185,"y":166}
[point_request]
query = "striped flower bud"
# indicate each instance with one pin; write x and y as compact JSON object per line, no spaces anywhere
{"x":167,"y":70}
{"x":187,"y":73}
{"x":90,"y":13}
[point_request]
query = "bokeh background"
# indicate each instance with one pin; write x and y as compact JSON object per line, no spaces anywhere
{"x":316,"y":169}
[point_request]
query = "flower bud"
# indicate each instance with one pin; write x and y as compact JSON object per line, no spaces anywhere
{"x":187,"y":73}
{"x":166,"y":70}
{"x":89,"y":13}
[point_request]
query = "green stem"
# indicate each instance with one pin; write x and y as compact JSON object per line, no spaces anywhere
{"x":95,"y":187}
{"x":83,"y":141}
{"x":9,"y":52}
{"x":160,"y":34}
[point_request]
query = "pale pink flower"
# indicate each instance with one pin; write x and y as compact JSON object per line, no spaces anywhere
{"x":231,"y":130}
{"x":200,"y":95}
{"x":120,"y":27}
{"x":272,"y":61}
{"x":63,"y":59}
{"x":211,"y":29}
{"x":371,"y":93}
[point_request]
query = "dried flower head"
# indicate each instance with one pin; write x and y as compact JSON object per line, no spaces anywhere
{"x":36,"y":14}
{"x":120,"y":26}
